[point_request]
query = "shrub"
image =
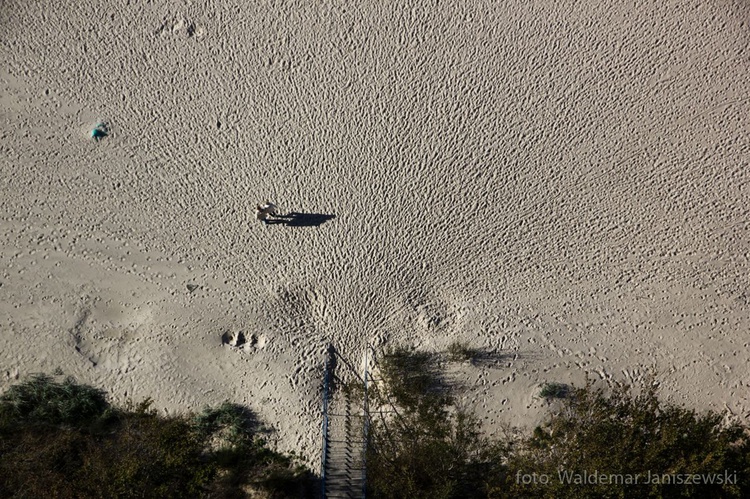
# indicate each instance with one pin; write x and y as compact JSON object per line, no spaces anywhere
{"x":460,"y":351}
{"x":146,"y":456}
{"x":413,"y":379}
{"x":426,"y":448}
{"x":230,"y":425}
{"x":626,"y":434}
{"x":235,"y":445}
{"x":554,"y":390}
{"x":43,"y":400}
{"x":64,"y":440}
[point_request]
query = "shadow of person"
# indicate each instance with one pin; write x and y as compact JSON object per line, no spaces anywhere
{"x":295,"y":219}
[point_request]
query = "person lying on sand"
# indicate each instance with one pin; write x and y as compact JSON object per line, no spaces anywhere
{"x":263,"y":212}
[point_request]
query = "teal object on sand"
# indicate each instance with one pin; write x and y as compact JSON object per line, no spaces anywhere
{"x":99,"y":131}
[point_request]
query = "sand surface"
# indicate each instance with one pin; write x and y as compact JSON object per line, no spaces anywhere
{"x":563,"y":184}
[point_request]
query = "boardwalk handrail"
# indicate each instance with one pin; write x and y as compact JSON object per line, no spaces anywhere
{"x":326,"y":382}
{"x":365,"y":425}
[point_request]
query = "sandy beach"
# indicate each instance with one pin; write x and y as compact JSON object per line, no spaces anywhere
{"x":563,"y":185}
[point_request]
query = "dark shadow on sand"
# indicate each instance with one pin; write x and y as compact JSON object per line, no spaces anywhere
{"x":490,"y":358}
{"x":295,"y":219}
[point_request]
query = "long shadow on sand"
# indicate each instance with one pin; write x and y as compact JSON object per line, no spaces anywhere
{"x":295,"y":219}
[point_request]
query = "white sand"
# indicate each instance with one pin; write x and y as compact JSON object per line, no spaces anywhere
{"x":563,"y":184}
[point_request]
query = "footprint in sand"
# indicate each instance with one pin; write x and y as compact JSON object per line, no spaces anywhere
{"x":233,"y":338}
{"x":180,"y":26}
{"x":247,"y":343}
{"x":257,"y":342}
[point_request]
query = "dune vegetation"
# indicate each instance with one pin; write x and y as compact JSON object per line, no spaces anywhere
{"x":592,"y":445}
{"x":62,"y":439}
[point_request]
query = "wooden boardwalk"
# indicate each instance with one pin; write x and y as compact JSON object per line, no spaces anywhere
{"x":343,"y":467}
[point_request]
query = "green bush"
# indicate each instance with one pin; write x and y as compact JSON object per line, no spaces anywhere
{"x":554,"y":390}
{"x":41,"y":399}
{"x":230,"y":425}
{"x":236,"y":445}
{"x":627,"y":435}
{"x":64,"y":440}
{"x":425,"y":447}
{"x":422,"y":446}
{"x":460,"y":351}
{"x":413,"y":379}
{"x":146,"y":455}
